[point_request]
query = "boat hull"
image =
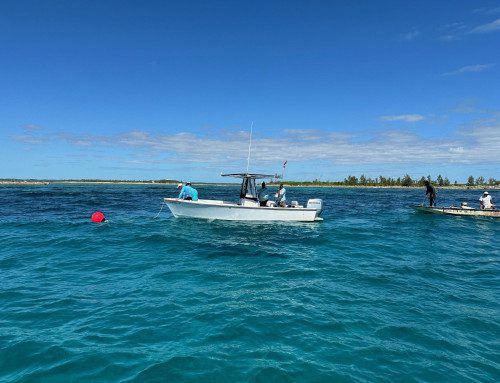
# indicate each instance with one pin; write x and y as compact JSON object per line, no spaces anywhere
{"x":219,"y":210}
{"x":458,"y":211}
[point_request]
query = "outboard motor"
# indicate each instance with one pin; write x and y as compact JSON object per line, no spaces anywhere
{"x":315,"y":203}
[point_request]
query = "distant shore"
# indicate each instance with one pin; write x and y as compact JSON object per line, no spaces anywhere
{"x":459,"y":187}
{"x":49,"y":182}
{"x":295,"y":184}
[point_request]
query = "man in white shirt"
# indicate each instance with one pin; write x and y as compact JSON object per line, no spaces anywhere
{"x":485,"y":201}
{"x":281,"y":196}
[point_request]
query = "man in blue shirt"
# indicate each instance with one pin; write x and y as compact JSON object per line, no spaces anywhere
{"x":188,"y":192}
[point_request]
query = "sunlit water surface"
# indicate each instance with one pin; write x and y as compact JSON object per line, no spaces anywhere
{"x":375,"y":292}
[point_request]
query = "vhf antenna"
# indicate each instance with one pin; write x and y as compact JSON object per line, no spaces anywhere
{"x":249,"y":147}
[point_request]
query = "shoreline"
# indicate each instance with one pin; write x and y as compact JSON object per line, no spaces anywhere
{"x":169,"y":183}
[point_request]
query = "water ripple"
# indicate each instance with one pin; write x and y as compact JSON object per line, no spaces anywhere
{"x":373,"y":293}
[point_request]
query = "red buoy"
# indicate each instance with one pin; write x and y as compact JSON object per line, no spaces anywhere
{"x":98,"y":217}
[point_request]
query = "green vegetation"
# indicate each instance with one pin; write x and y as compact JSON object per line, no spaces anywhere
{"x":405,"y":181}
{"x":381,"y":181}
{"x":89,"y":180}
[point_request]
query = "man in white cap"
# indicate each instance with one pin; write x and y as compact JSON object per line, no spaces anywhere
{"x":188,"y":192}
{"x":485,"y":201}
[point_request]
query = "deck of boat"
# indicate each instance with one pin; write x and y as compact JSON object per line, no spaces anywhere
{"x":452,"y":210}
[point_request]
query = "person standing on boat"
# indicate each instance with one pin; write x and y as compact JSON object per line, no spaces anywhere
{"x":188,"y":192}
{"x":431,"y":191}
{"x":485,"y":201}
{"x":281,"y":196}
{"x":263,"y":195}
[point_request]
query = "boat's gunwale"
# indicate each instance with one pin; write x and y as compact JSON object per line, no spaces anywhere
{"x":234,"y":205}
{"x":454,"y":210}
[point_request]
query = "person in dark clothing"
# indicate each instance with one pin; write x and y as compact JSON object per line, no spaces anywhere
{"x":263,"y":195}
{"x":431,"y":191}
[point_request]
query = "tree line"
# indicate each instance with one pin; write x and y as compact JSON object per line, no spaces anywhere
{"x":406,"y":180}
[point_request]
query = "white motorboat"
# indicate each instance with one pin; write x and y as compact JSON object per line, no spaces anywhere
{"x":248,"y":208}
{"x":454,"y":210}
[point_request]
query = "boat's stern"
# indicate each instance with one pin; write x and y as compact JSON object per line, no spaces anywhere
{"x":317,"y":204}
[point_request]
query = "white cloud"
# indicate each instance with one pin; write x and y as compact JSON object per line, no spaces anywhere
{"x":403,"y":117}
{"x":458,"y":149}
{"x":301,"y":131}
{"x":467,"y":106}
{"x":453,"y":31}
{"x":478,"y":143}
{"x":487,"y":11}
{"x":304,"y":134}
{"x":31,"y":127}
{"x":469,"y":69}
{"x":410,"y":36}
{"x":29,"y":139}
{"x":457,"y":31}
{"x":487,"y":28}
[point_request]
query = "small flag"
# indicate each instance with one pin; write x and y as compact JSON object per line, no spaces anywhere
{"x":284,"y":163}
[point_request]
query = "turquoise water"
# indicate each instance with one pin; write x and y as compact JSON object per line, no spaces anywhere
{"x":374,"y":293}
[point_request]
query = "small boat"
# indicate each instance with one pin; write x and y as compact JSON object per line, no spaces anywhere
{"x":248,"y":208}
{"x":456,"y":210}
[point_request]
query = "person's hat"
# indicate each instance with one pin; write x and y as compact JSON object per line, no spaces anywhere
{"x":179,"y":185}
{"x":188,"y":183}
{"x":486,"y":193}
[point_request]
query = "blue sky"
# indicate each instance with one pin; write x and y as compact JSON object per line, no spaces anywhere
{"x":159,"y":89}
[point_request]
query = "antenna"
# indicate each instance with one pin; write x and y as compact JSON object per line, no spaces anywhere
{"x":249,"y":147}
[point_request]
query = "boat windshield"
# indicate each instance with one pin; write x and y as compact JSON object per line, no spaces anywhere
{"x":248,"y":189}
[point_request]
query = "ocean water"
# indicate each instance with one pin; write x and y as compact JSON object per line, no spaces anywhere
{"x":374,"y":293}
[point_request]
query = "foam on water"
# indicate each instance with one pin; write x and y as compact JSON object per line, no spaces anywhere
{"x":375,"y":292}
